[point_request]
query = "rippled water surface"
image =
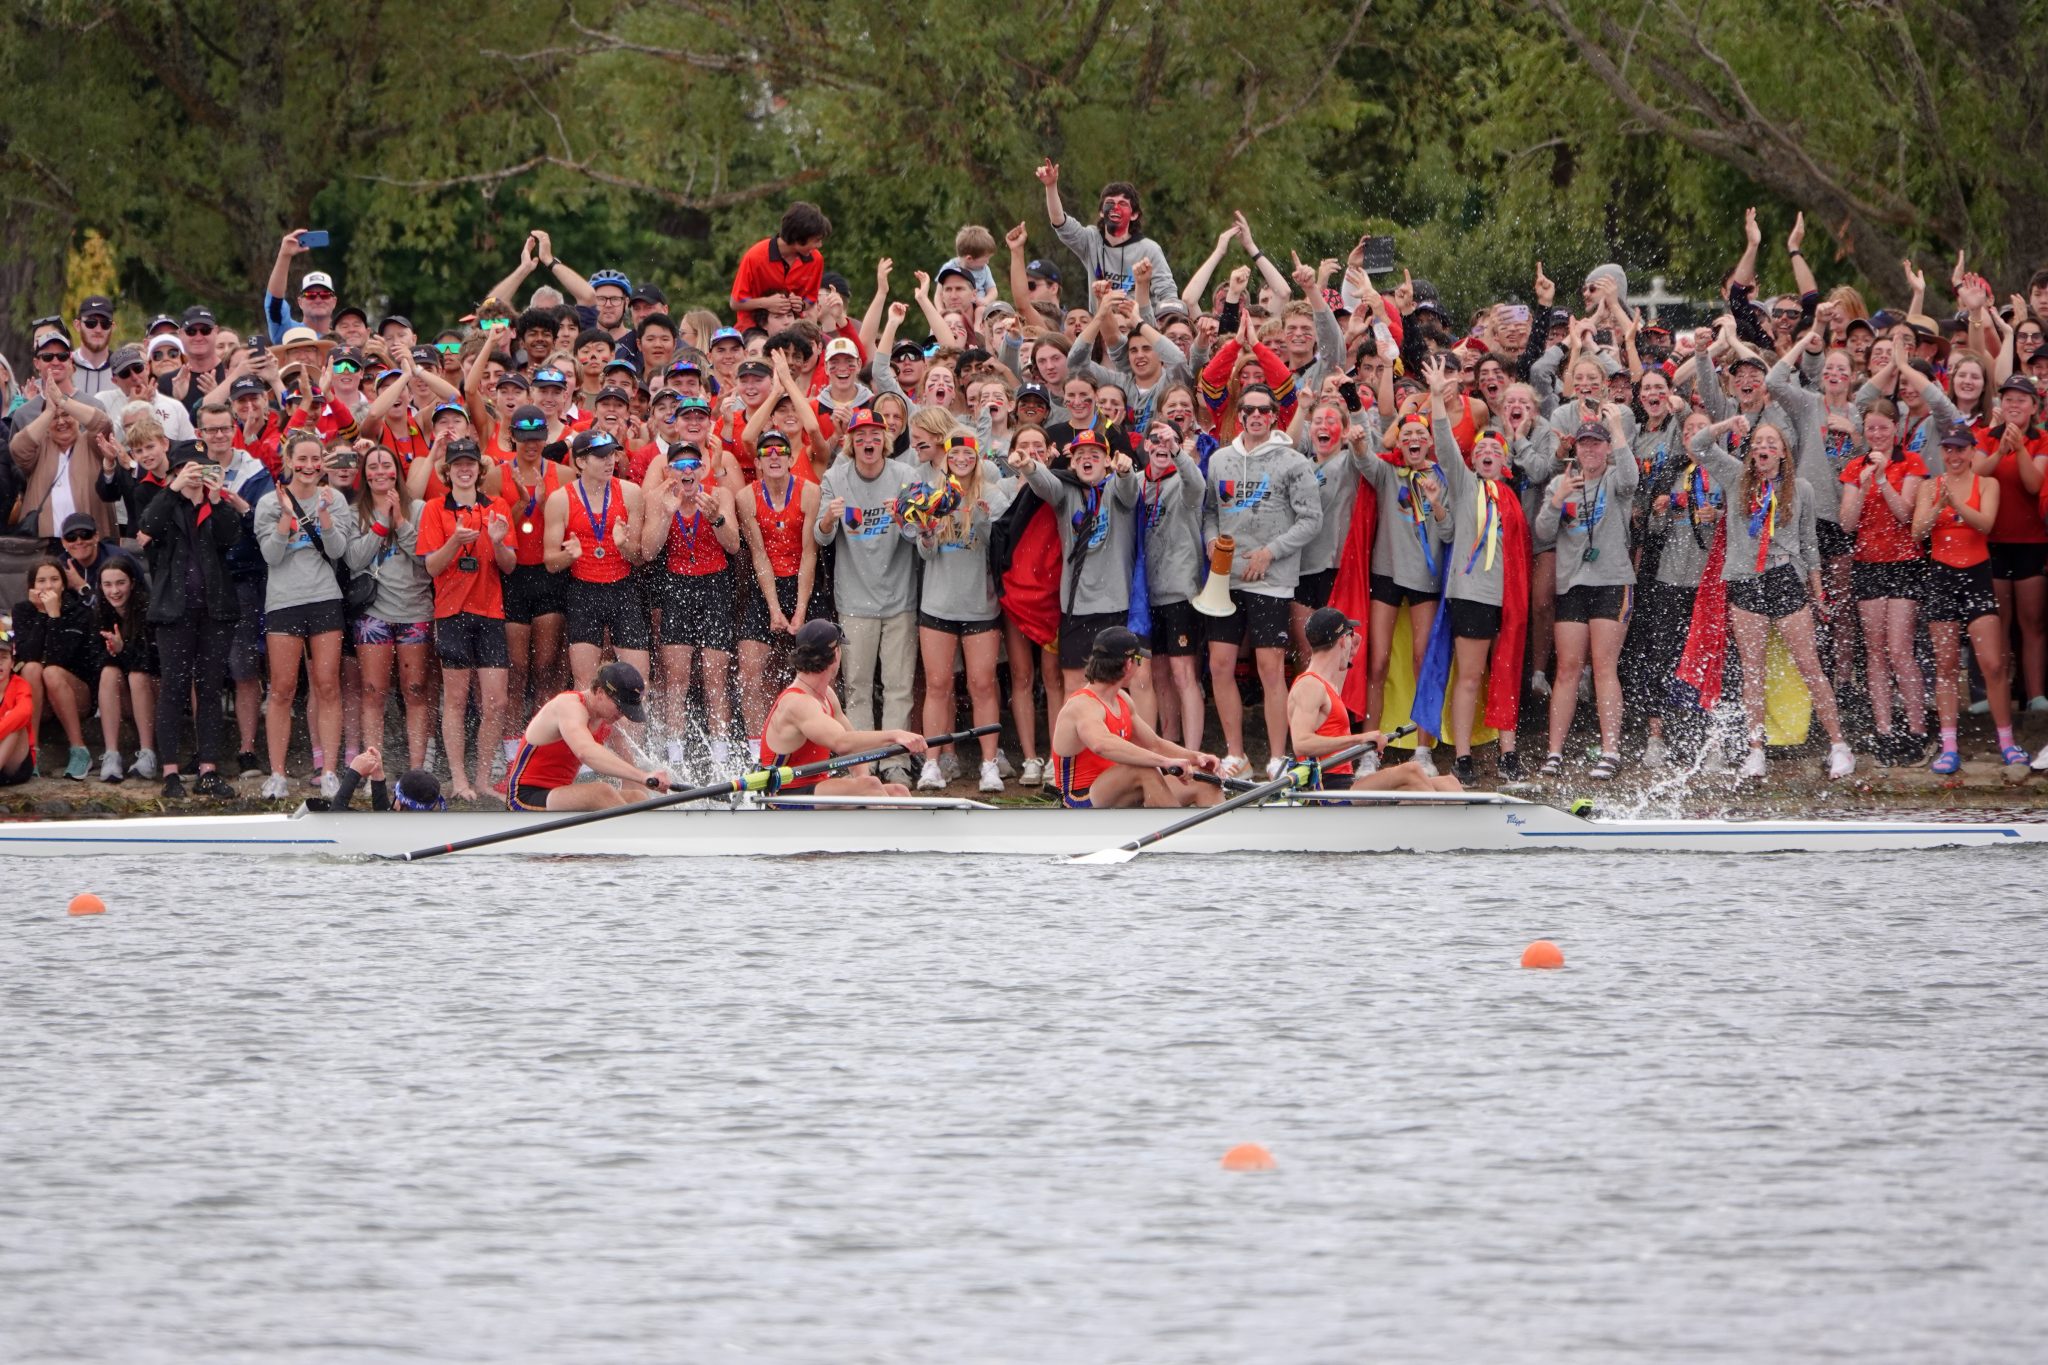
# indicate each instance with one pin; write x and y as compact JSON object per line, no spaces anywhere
{"x":909,"y":1110}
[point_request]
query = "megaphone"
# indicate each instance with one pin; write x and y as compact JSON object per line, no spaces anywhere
{"x":1214,"y":598}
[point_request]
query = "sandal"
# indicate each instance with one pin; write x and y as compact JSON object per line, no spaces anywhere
{"x":2012,"y":755}
{"x":1553,"y":766}
{"x":1946,"y":762}
{"x":1605,"y":768}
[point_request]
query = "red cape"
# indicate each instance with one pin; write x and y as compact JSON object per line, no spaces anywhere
{"x":1031,"y":584}
{"x":1700,"y":666}
{"x":1504,"y":689}
{"x":1351,"y":592}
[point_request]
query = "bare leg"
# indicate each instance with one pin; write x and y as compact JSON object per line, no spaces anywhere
{"x":350,"y":701}
{"x":1168,"y":694}
{"x":1542,"y":609}
{"x":1564,"y":686}
{"x":1379,"y":653}
{"x":519,"y":649}
{"x":68,"y":697}
{"x":324,"y":713}
{"x":111,"y":680}
{"x":454,"y":728}
{"x":1987,"y":642}
{"x":1188,"y":682}
{"x":1835,"y":582}
{"x":1899,"y":632}
{"x":984,"y":704}
{"x":939,"y":647}
{"x":1605,"y":638}
{"x":2030,"y":603}
{"x":755,"y":694}
{"x":1023,"y":677}
{"x":548,"y":632}
{"x":583,"y":664}
{"x":1421,"y":617}
{"x":248,"y":706}
{"x":285,"y":651}
{"x":1947,"y":638}
{"x":414,"y":662}
{"x":490,"y":725}
{"x":716,"y":663}
{"x":1272,"y":666}
{"x":1752,"y":632}
{"x":1877,"y":655}
{"x":1471,"y":656}
{"x":1229,"y":701}
{"x":142,"y":698}
{"x":376,"y":662}
{"x":1796,"y":631}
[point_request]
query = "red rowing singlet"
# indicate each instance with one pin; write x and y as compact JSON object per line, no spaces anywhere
{"x":1078,"y":772}
{"x":1337,"y":724}
{"x":549,"y":765}
{"x":693,"y":548}
{"x":600,"y":561}
{"x":1957,"y":543}
{"x":782,"y":528}
{"x":529,"y":509}
{"x":806,"y":753}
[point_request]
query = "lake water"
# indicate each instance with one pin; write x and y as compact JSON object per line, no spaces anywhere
{"x":906,"y":1110}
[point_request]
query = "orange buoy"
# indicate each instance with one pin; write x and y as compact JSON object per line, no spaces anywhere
{"x":1543,"y":953}
{"x":1247,"y":1156}
{"x":86,"y":903}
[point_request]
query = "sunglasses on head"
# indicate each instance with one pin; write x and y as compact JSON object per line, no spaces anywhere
{"x":52,"y":321}
{"x":199,"y":329}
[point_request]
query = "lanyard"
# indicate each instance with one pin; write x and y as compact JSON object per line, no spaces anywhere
{"x":600,"y":522}
{"x":1763,"y":520}
{"x":1486,"y":525}
{"x":1413,"y":502}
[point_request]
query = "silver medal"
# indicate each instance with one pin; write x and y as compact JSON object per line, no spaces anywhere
{"x":598,"y":552}
{"x":525,"y":528}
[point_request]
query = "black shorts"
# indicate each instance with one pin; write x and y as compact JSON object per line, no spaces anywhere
{"x":696,"y":610}
{"x":1959,"y":595}
{"x":526,"y":796}
{"x":1899,"y":578}
{"x":754,"y":615}
{"x":595,"y":607}
{"x":19,"y":773}
{"x":963,"y":629}
{"x":1473,"y":620}
{"x":1596,"y":602}
{"x":1313,"y":591}
{"x":1176,"y":629}
{"x":2015,"y":560}
{"x":466,"y":641}
{"x":1385,"y":589}
{"x":1334,"y":782}
{"x":1077,"y":634}
{"x":531,"y":591}
{"x":1777,"y":592}
{"x":1260,"y":622}
{"x":304,"y":622}
{"x":1835,"y":542}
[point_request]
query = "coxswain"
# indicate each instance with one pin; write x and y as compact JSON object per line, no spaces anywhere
{"x":1319,"y":724}
{"x":1105,"y":754}
{"x":577,"y":730}
{"x":806,"y":724}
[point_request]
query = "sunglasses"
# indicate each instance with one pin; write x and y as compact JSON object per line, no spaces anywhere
{"x":1785,"y":314}
{"x":316,"y":293}
{"x":52,"y":357}
{"x":346,"y":367}
{"x":128,"y":373}
{"x":164,"y":353}
{"x":448,"y":347}
{"x":687,"y":466}
{"x":199,"y":329}
{"x":97,"y":324}
{"x":1251,"y":411}
{"x":80,"y":537}
{"x":494,"y":324}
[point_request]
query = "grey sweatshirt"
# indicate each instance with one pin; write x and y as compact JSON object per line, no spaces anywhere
{"x":1683,"y":560}
{"x":875,"y":571}
{"x":1797,"y":546}
{"x":1809,"y":413}
{"x":1594,"y":553}
{"x":405,"y":590}
{"x":957,"y":586}
{"x":1337,"y":487}
{"x":1483,"y":582}
{"x":1268,"y":499}
{"x":1721,"y":407}
{"x":1922,"y":437}
{"x":1101,"y":583}
{"x":300,"y":574}
{"x":1105,"y":262}
{"x":1542,"y":442}
{"x":1397,"y":551}
{"x":1173,"y":532}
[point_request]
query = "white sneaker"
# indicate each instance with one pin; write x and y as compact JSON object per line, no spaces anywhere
{"x":931,"y":779}
{"x":146,"y":765}
{"x":2040,"y":763}
{"x":330,"y":784}
{"x":2037,"y":704}
{"x":110,"y":767}
{"x":1004,"y":768}
{"x":1234,"y":765}
{"x":1841,"y":761}
{"x":276,"y":787}
{"x":949,"y":765}
{"x":1034,"y":771}
{"x":991,"y":776}
{"x":1368,"y":762}
{"x":1275,"y":766}
{"x":1981,"y":707}
{"x":1539,"y":686}
{"x":1655,"y":754}
{"x":1753,"y":766}
{"x":1425,"y":759}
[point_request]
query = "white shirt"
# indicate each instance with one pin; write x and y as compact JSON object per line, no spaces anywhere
{"x":62,"y":504}
{"x":170,"y":414}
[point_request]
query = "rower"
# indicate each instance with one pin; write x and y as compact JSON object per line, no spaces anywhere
{"x":577,"y":729}
{"x":416,"y":788}
{"x":1106,"y":754}
{"x":806,"y":724}
{"x":1319,"y":723}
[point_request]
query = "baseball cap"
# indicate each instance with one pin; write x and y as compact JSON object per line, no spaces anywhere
{"x":131,"y":354}
{"x":450,"y":406}
{"x":907,"y":350}
{"x":622,"y":683}
{"x":731,"y":334}
{"x":198,"y":316}
{"x":248,"y":387}
{"x":1089,"y":439}
{"x":760,"y":367}
{"x":619,"y":362}
{"x":839,"y":346}
{"x":529,"y":423}
{"x":950,"y":268}
{"x":169,"y":341}
{"x":684,"y":364}
{"x":77,"y":521}
{"x":592,"y":443}
{"x":1116,"y":642}
{"x":692,"y":403}
{"x":548,"y":377}
{"x":186,"y":452}
{"x":1043,"y":270}
{"x":862,"y":419}
{"x":1593,"y":431}
{"x":159,"y":322}
{"x":813,"y":643}
{"x":772,"y":438}
{"x":352,"y":310}
{"x":1959,"y":435}
{"x":2019,"y":383}
{"x":1746,"y":358}
{"x":1326,"y":626}
{"x":394,"y":320}
{"x":1033,"y":393}
{"x":98,"y":306}
{"x":645,"y":292}
{"x":464,"y":449}
{"x":46,"y":335}
{"x":512,"y":379}
{"x":613,"y":392}
{"x":317,"y":279}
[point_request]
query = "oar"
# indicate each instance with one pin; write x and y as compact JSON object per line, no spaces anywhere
{"x":1293,"y":777}
{"x":1245,"y":784}
{"x":761,"y":779}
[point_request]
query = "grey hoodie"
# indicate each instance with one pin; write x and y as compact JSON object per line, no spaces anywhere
{"x":1592,"y":547}
{"x":405,"y":590}
{"x":300,"y":574}
{"x":875,"y":571}
{"x":1115,"y":263}
{"x":1397,"y":550}
{"x":1265,"y":498}
{"x":1173,"y":532}
{"x":1483,"y":583}
{"x":1101,"y":583}
{"x":1798,"y":547}
{"x":957,"y":586}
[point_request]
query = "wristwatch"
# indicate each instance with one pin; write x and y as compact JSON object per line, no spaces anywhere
{"x":718,"y":521}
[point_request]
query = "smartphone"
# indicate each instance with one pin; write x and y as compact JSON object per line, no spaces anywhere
{"x":258,"y":346}
{"x":1379,"y":255}
{"x":213,"y":475}
{"x":313,"y":239}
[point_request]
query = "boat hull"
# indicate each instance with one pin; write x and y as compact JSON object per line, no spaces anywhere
{"x":1481,"y":824}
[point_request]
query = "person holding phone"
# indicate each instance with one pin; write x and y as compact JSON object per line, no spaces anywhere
{"x":187,"y":533}
{"x":303,"y":528}
{"x":465,"y":539}
{"x":317,"y":301}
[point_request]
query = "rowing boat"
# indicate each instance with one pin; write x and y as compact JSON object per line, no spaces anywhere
{"x":1328,"y":822}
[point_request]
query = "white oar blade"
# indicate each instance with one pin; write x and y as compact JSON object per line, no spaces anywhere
{"x":1103,"y":857}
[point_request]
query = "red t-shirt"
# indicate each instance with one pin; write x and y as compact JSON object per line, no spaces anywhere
{"x":475,"y":589}
{"x":1880,"y":537}
{"x":764,"y":270}
{"x":2019,"y":519}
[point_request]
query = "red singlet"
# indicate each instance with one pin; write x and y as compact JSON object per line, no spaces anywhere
{"x":529,"y":509}
{"x":804,"y":754}
{"x":549,"y":765}
{"x":601,"y":560}
{"x":1337,"y":724}
{"x":1956,"y":543}
{"x":782,"y":528}
{"x":1078,"y":773}
{"x":693,"y":548}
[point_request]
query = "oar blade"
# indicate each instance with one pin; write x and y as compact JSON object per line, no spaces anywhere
{"x":1103,"y":857}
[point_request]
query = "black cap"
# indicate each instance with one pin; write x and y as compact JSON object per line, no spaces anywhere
{"x":592,"y":443}
{"x":417,"y":789}
{"x":186,"y":452}
{"x":158,"y":323}
{"x":529,"y":423}
{"x":1326,"y":626}
{"x":646,"y":292}
{"x":1746,"y":358}
{"x":813,"y":644}
{"x":1033,"y":391}
{"x":2019,"y":383}
{"x":401,"y":320}
{"x":953,"y":268}
{"x":1043,"y":270}
{"x":350,"y":354}
{"x":98,"y":306}
{"x":248,"y":386}
{"x":196,"y":315}
{"x":615,"y":392}
{"x":77,"y":521}
{"x":836,"y":282}
{"x":1959,"y":436}
{"x":464,"y":448}
{"x":1593,"y":431}
{"x":356,"y":308}
{"x":907,"y":350}
{"x":772,"y":438}
{"x":512,"y":379}
{"x":623,"y":684}
{"x":1117,"y":643}
{"x":760,"y":367}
